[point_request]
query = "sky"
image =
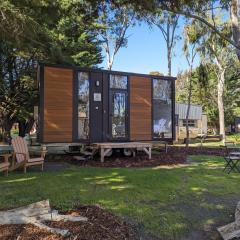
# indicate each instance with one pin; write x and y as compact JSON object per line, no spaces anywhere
{"x":146,"y":51}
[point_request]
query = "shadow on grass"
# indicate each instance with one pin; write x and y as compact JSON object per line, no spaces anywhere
{"x":168,"y":202}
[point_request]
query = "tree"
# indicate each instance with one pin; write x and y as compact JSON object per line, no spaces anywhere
{"x":62,"y":32}
{"x":219,"y":52}
{"x":167,"y":23}
{"x":115,"y":22}
{"x":75,"y":36}
{"x":197,"y":10}
{"x":190,"y":52}
{"x":205,"y":93}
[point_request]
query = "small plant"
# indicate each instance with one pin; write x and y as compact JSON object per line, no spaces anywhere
{"x":236,"y":138}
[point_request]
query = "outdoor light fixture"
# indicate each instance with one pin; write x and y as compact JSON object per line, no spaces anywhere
{"x":97,"y":83}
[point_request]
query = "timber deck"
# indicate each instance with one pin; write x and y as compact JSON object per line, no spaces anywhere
{"x":106,"y":147}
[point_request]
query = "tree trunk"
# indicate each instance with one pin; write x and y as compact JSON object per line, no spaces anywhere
{"x":25,"y":127}
{"x":37,"y":214}
{"x":221,"y":83}
{"x":21,"y":127}
{"x":169,"y":61}
{"x":235,"y":22}
{"x":188,"y":107}
{"x":7,"y":126}
{"x":109,"y":66}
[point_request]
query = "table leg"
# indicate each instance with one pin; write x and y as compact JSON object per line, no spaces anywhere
{"x":102,"y":155}
{"x":235,"y":166}
{"x":134,"y":152}
{"x":228,"y":164}
{"x":150,"y":153}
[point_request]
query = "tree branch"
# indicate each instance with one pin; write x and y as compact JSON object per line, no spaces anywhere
{"x":215,"y":30}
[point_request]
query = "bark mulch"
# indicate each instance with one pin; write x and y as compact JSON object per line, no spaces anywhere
{"x":217,"y":151}
{"x":176,"y":155}
{"x":101,"y":225}
{"x":140,"y":160}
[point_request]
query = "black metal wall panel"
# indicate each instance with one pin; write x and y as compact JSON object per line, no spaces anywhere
{"x":106,"y":131}
{"x":96,"y":107}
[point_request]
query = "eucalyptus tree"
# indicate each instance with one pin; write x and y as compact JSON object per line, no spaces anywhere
{"x":197,"y":10}
{"x":190,"y":51}
{"x":219,"y":52}
{"x":115,"y":21}
{"x":167,"y":23}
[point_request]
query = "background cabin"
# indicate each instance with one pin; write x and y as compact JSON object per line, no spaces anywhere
{"x":197,"y":121}
{"x":92,"y":105}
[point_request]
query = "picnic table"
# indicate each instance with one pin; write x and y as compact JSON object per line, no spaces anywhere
{"x":5,"y":149}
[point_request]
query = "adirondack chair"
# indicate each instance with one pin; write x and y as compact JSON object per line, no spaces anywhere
{"x":21,"y":157}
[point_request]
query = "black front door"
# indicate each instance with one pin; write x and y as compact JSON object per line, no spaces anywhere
{"x":118,"y":115}
{"x":96,"y":106}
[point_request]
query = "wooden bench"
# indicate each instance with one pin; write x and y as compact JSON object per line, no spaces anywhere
{"x":105,"y":148}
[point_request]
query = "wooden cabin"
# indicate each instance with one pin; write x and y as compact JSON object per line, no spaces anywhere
{"x":94,"y":105}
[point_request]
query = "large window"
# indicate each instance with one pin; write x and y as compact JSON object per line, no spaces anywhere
{"x":118,"y":96}
{"x":162,"y":108}
{"x":83,"y":105}
{"x":119,"y":115}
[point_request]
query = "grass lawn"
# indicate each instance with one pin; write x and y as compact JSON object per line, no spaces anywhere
{"x":172,"y":203}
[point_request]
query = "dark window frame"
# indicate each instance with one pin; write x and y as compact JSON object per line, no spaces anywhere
{"x":172,"y":96}
{"x":127,"y":117}
{"x":75,"y":107}
{"x":192,"y":123}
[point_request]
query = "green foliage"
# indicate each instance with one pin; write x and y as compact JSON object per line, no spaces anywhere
{"x":33,"y":31}
{"x":157,"y":73}
{"x":205,"y":91}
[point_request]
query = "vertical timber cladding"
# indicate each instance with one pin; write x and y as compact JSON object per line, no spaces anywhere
{"x":140,"y":108}
{"x":58,"y":99}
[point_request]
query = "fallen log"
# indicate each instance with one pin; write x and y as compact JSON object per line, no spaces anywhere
{"x":231,"y":230}
{"x":37,"y":214}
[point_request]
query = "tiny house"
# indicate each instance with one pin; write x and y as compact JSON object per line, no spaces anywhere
{"x":94,"y":105}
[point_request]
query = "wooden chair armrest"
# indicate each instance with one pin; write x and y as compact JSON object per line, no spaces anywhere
{"x":42,"y":153}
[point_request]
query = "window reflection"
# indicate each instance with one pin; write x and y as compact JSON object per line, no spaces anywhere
{"x":119,"y":115}
{"x":83,"y":105}
{"x":162,"y":109}
{"x":118,"y":81}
